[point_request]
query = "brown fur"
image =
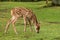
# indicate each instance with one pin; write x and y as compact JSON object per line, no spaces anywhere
{"x":27,"y":15}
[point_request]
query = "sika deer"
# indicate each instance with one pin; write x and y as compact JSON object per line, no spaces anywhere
{"x":27,"y":15}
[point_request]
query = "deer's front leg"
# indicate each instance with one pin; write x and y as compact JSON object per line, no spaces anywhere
{"x":25,"y":23}
{"x":29,"y":20}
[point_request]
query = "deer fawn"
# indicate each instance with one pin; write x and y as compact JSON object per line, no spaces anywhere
{"x":27,"y":15}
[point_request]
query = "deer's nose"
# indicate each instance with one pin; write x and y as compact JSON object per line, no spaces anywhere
{"x":37,"y":31}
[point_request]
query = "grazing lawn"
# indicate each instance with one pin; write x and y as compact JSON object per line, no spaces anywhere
{"x":48,"y":17}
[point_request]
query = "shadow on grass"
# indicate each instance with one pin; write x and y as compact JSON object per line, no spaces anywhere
{"x":48,"y":6}
{"x":57,"y":38}
{"x":54,"y":22}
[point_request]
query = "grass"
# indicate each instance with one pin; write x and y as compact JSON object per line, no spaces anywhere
{"x":48,"y":17}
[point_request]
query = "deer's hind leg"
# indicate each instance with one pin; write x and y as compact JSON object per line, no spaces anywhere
{"x":13,"y":23}
{"x":8,"y":23}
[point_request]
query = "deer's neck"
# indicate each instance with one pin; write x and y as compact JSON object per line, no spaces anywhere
{"x":34,"y":19}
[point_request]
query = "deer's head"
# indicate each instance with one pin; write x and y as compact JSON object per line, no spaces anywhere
{"x":37,"y":28}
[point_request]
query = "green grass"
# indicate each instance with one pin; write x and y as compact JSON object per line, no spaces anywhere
{"x":48,"y":17}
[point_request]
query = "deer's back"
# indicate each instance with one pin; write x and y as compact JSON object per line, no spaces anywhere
{"x":22,"y":12}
